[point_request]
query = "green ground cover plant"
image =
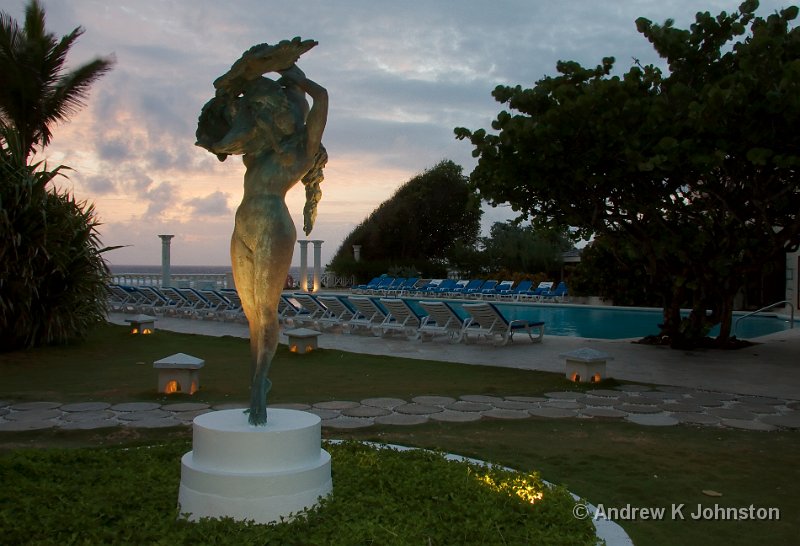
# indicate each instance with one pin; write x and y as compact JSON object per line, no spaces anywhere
{"x":113,"y":495}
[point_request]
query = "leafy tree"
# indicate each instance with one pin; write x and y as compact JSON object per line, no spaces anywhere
{"x":523,"y":249}
{"x":36,"y":90}
{"x":694,"y":169}
{"x":52,"y":275}
{"x":415,"y":228}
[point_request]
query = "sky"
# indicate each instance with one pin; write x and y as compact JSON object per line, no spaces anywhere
{"x":401,"y":75}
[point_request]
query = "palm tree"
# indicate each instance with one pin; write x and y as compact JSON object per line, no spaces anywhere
{"x":35,"y":89}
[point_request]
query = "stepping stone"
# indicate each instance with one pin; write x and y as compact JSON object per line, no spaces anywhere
{"x":450,"y":416}
{"x":336,"y":405}
{"x":506,"y":414}
{"x":747,"y":425}
{"x":563,"y":404}
{"x":639,"y":409}
{"x":348,"y":423}
{"x":633,"y":388}
{"x":386,"y":403}
{"x":732,"y":413}
{"x":607,"y":393}
{"x":705,"y":401}
{"x":480,"y":398}
{"x":788,"y":420}
{"x":365,"y":411}
{"x":682,"y":407}
{"x":526,"y":398}
{"x":185,"y":406}
{"x":90,"y":424}
{"x":85,"y":406}
{"x":417,"y":409}
{"x":33,"y":415}
{"x":597,"y":401}
{"x":696,"y":418}
{"x":143,"y":415}
{"x":657,"y":395}
{"x":26,"y":406}
{"x":654,"y":420}
{"x":462,"y":405}
{"x":323,"y":413}
{"x":512,"y":405}
{"x":567,"y":395}
{"x":88,"y":416}
{"x":675,"y":389}
{"x":18,"y":426}
{"x":433,"y":400}
{"x":136,"y":406}
{"x":401,"y":419}
{"x":766,"y":400}
{"x":724,"y":396}
{"x":640,"y":401}
{"x":756,"y":408}
{"x":605,"y":413}
{"x":552,"y":413}
{"x":153,"y":423}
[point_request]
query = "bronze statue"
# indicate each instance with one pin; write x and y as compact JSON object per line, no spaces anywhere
{"x":270,"y":124}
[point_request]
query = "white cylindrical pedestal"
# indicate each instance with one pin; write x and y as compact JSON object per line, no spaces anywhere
{"x":254,"y":473}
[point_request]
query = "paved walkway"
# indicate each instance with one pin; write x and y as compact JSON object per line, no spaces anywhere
{"x":755,"y":389}
{"x":662,"y":406}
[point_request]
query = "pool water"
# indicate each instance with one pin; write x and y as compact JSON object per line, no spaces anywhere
{"x":612,"y":322}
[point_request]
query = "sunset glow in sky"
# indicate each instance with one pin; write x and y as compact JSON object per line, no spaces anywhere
{"x":400,"y":75}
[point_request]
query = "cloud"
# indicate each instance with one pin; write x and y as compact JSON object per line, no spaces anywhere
{"x":100,"y":185}
{"x":215,"y":204}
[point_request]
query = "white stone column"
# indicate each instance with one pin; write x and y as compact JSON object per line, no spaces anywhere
{"x":165,"y":250}
{"x":357,"y":253}
{"x":317,"y":265}
{"x":303,"y":265}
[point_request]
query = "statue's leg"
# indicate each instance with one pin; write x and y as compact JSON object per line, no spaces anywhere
{"x":245,"y":276}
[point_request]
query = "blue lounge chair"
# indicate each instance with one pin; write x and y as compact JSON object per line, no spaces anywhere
{"x":496,"y":290}
{"x":485,"y":288}
{"x":522,"y":288}
{"x":559,"y":294}
{"x":487,"y":321}
{"x":467,"y":288}
{"x":536,"y":294}
{"x":361,"y":288}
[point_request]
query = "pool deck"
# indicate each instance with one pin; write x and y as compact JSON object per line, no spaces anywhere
{"x":770,"y":368}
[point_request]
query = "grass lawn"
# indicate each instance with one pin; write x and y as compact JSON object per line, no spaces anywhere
{"x":610,"y":463}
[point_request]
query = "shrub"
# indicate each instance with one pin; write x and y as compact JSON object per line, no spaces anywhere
{"x":52,"y":275}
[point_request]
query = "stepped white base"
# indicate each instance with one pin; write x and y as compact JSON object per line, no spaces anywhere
{"x":263,"y":474}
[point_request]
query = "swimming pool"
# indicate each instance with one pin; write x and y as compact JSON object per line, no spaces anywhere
{"x":610,"y":322}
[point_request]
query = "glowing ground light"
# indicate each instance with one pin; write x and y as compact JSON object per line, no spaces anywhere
{"x":526,"y":488}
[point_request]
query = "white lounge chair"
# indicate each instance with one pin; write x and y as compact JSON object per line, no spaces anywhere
{"x":312,"y":312}
{"x":339,"y":313}
{"x":401,"y":318}
{"x":442,"y":320}
{"x":369,"y":316}
{"x":489,"y":322}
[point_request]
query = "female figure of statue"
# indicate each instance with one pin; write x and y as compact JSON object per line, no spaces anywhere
{"x":270,"y":124}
